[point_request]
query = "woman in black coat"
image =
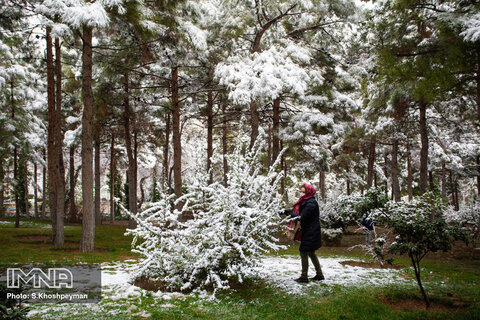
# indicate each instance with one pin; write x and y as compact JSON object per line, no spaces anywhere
{"x":307,"y":208}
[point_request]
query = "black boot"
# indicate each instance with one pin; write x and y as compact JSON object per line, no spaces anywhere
{"x":302,"y":280}
{"x":318,"y":278}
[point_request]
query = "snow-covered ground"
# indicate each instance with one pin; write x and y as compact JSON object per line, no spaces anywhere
{"x":277,"y":271}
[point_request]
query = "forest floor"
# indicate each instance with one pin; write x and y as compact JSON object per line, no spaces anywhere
{"x":355,"y":287}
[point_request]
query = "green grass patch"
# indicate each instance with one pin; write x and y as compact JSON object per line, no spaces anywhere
{"x":31,"y":244}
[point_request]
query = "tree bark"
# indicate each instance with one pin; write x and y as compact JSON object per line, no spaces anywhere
{"x":269,"y":146}
{"x":88,"y":219}
{"x":35,"y":190}
{"x":132,"y":195}
{"x":209,"y":135}
{"x":395,"y":182}
{"x":73,"y":210}
{"x":177,"y":144}
{"x":348,"y":187}
{"x":224,"y":142}
{"x":25,"y":195}
{"x":112,"y":179}
{"x":58,"y":142}
{"x":44,"y":185}
{"x":51,"y":136}
{"x":409,"y":173}
{"x":15,"y":163}
{"x":2,"y":189}
{"x":444,"y":181}
{"x":457,"y":201}
{"x":254,"y":122}
{"x":321,"y":178}
{"x":371,"y":163}
{"x":424,"y":149}
{"x":98,"y":213}
{"x":478,"y":177}
{"x":276,"y":128}
{"x":166,"y":180}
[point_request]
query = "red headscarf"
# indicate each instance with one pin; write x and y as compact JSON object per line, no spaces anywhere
{"x":309,"y":193}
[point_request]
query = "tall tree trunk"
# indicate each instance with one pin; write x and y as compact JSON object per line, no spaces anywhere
{"x":254,"y":122}
{"x":457,"y":201}
{"x":58,"y":142}
{"x":132,"y":195}
{"x":209,"y":135}
{"x":98,"y":213}
{"x":269,"y":145}
{"x":35,"y":190}
{"x":431,"y":184}
{"x":395,"y":182}
{"x":166,"y":180}
{"x":2,"y":189}
{"x":348,"y":187}
{"x":73,"y":210}
{"x":321,"y":179}
{"x":25,"y":184}
{"x":282,"y":168}
{"x":15,"y":163}
{"x":52,"y":180}
{"x":444,"y":181}
{"x":112,"y":179}
{"x":276,"y":129}
{"x":371,"y":162}
{"x":409,"y":173}
{"x":88,"y":219}
{"x":478,"y":177}
{"x":44,"y":185}
{"x":424,"y":148}
{"x":224,"y":142}
{"x":177,"y":144}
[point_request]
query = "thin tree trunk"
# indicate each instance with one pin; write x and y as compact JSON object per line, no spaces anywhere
{"x":25,"y":194}
{"x":88,"y":220}
{"x":98,"y":214}
{"x":431,"y":184}
{"x":15,"y":163}
{"x":478,"y":177}
{"x":444,"y":181}
{"x":282,"y":168}
{"x":457,"y":201}
{"x":35,"y":190}
{"x":409,"y":173}
{"x":177,"y":144}
{"x":2,"y":190}
{"x":371,"y":163}
{"x":276,"y":128}
{"x":44,"y":185}
{"x":209,"y":135}
{"x":132,"y":196}
{"x":254,"y":122}
{"x":73,"y":210}
{"x":417,"y":275}
{"x":224,"y":142}
{"x":348,"y":187}
{"x":166,"y":180}
{"x":58,"y":141}
{"x":424,"y":149}
{"x":112,"y":179}
{"x":269,"y":145}
{"x":395,"y":182}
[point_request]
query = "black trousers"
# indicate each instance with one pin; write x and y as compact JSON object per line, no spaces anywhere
{"x":304,"y":255}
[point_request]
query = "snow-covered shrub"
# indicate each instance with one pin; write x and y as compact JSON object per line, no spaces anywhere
{"x":332,"y":237}
{"x":419,"y":227}
{"x":349,"y":210}
{"x":467,"y":217}
{"x":232,"y":226}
